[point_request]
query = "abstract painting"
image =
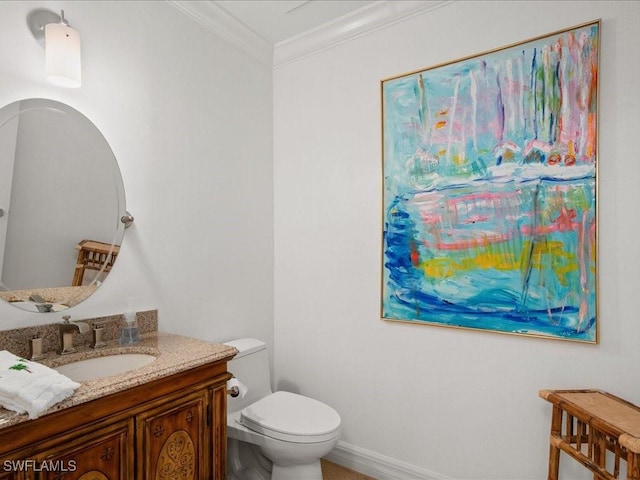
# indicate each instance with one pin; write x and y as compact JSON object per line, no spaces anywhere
{"x":489,"y":190}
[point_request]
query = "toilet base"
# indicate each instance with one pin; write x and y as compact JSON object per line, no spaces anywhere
{"x":245,"y":462}
{"x":309,"y":471}
{"x":254,"y":456}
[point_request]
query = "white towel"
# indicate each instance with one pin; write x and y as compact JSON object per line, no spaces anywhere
{"x":30,"y":387}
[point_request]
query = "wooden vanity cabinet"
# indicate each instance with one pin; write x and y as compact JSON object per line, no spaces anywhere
{"x":174,"y":427}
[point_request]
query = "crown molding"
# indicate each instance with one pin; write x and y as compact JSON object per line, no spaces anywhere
{"x":220,"y":22}
{"x":368,"y":19}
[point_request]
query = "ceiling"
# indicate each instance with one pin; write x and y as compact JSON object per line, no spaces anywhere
{"x":279,"y":20}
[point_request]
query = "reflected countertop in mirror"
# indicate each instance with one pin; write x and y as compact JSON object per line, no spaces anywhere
{"x":61,"y":203}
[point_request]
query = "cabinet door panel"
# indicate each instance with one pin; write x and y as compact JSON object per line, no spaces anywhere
{"x":103,"y":454}
{"x":172,"y":440}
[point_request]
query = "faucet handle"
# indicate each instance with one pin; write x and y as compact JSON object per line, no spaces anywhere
{"x":98,"y":337}
{"x":35,"y":348}
{"x":66,"y":318}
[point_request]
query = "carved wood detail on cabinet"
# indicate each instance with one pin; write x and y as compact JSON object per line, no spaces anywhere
{"x":177,"y":459}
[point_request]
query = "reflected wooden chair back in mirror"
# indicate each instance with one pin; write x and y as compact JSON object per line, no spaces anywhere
{"x":93,"y":255}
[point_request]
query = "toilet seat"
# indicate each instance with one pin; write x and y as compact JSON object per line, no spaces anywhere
{"x":291,"y":417}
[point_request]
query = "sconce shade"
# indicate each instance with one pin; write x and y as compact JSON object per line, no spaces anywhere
{"x":62,"y":52}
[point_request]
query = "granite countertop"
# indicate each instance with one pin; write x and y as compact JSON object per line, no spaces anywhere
{"x":174,"y":353}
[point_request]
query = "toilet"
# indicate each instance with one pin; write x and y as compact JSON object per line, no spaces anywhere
{"x":274,"y":435}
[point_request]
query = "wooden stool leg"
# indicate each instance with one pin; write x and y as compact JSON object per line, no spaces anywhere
{"x":633,"y":466}
{"x":554,"y":452}
{"x":599,"y":452}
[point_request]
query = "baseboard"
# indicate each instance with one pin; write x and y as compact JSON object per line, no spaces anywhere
{"x":378,"y":466}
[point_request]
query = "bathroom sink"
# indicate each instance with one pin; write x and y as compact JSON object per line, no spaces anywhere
{"x":93,"y":368}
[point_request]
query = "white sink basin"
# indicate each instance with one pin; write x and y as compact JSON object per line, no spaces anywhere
{"x":99,"y":367}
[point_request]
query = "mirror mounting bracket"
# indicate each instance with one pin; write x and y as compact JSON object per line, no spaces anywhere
{"x":127,"y":219}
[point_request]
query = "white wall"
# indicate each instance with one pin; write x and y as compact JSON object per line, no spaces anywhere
{"x":189,"y":118}
{"x":458,"y":403}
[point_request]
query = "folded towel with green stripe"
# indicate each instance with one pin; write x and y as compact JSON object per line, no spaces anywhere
{"x":30,"y":387}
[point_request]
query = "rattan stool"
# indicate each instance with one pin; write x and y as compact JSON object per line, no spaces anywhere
{"x":586,"y":424}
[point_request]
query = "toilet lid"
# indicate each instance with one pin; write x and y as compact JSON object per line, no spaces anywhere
{"x":292,"y":418}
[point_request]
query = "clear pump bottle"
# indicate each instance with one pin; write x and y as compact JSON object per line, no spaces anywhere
{"x":129,"y":333}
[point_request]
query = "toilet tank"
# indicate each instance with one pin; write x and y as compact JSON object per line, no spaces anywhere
{"x":251,"y":367}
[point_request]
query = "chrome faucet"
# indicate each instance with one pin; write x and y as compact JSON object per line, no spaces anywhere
{"x":66,"y":329}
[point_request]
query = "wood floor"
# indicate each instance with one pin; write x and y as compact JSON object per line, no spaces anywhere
{"x":332,"y":471}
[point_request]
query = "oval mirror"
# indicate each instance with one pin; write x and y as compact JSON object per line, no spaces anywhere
{"x":61,"y":204}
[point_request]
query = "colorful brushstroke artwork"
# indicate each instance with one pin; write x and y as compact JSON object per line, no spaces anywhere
{"x":489,"y":190}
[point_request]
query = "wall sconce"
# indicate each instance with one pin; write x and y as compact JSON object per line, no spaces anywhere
{"x":62,"y":46}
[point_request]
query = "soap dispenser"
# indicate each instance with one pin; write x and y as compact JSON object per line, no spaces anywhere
{"x":130,"y":333}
